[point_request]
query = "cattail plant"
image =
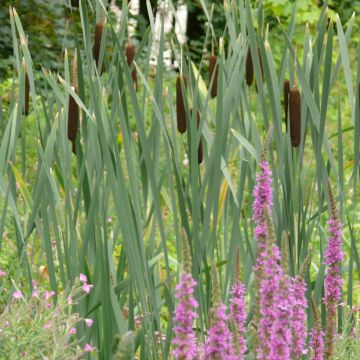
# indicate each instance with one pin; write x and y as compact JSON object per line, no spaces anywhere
{"x":130,"y":55}
{"x":185,"y":339}
{"x":332,"y":281}
{"x":295,"y":115}
{"x":219,"y":343}
{"x":238,"y":311}
{"x":317,"y":335}
{"x":286,"y":99}
{"x":249,"y":69}
{"x":180,"y":103}
{"x":97,"y":41}
{"x":73,"y":114}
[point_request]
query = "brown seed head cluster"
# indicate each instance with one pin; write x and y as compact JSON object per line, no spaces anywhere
{"x":97,"y":41}
{"x":73,"y":114}
{"x":295,"y":116}
{"x":130,"y":55}
{"x":214,"y":70}
{"x":180,"y":104}
{"x":249,"y":69}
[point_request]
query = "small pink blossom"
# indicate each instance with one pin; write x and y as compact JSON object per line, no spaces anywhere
{"x":2,"y":273}
{"x":23,"y":354}
{"x":89,"y":322}
{"x":6,"y":323}
{"x":49,"y":294}
{"x":72,"y":331}
{"x":47,"y":325}
{"x":33,"y":284}
{"x":35,"y":294}
{"x":83,"y":278}
{"x":48,"y":305}
{"x":70,"y":300}
{"x":87,"y":288}
{"x":89,"y":348}
{"x":18,"y":295}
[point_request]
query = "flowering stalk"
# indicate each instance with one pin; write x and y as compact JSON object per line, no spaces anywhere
{"x":218,"y":344}
{"x":275,"y":307}
{"x":262,"y":201}
{"x":237,"y":311}
{"x":298,"y":324}
{"x":333,"y":281}
{"x":185,"y":340}
{"x":317,"y":335}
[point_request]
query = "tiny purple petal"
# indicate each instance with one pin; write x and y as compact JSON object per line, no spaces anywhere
{"x":18,"y":295}
{"x":89,"y":322}
{"x":83,"y":278}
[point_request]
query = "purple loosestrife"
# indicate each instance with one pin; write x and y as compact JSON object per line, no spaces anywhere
{"x":185,"y":344}
{"x":275,"y":307}
{"x":298,"y":325}
{"x":219,"y":344}
{"x":332,"y":281}
{"x":237,"y":311}
{"x":317,"y":335}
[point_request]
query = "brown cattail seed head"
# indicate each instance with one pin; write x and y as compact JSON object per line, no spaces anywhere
{"x":130,"y":55}
{"x":286,"y":99}
{"x":213,"y":69}
{"x":97,"y":41}
{"x":73,"y":114}
{"x":200,"y":148}
{"x":27,"y":94}
{"x":249,"y":69}
{"x":180,"y":104}
{"x":295,"y":116}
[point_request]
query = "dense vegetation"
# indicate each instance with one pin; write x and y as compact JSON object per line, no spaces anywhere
{"x":154,"y":214}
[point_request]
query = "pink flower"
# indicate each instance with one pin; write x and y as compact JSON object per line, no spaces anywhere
{"x":2,"y":273}
{"x":89,"y":348}
{"x":35,"y":294}
{"x":33,"y":284}
{"x":6,"y":323}
{"x":47,"y":325}
{"x":299,"y":329}
{"x":276,"y":299}
{"x":238,"y":313}
{"x":317,"y":342}
{"x":87,"y":288}
{"x":48,"y":305}
{"x":48,"y":294}
{"x":18,"y":295}
{"x":89,"y":322}
{"x":219,"y":342}
{"x":83,"y":278}
{"x":70,"y":300}
{"x":185,"y":339}
{"x":72,"y":331}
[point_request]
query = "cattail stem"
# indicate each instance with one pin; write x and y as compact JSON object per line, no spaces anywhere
{"x":295,"y":116}
{"x":180,"y":104}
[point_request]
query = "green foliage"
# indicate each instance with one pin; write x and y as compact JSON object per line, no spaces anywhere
{"x":129,"y":166}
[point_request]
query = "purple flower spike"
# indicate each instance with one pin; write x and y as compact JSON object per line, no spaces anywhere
{"x":299,"y":329}
{"x":238,"y":314}
{"x":332,"y":281}
{"x":185,"y":314}
{"x":276,"y":299}
{"x":218,"y":344}
{"x":317,"y":343}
